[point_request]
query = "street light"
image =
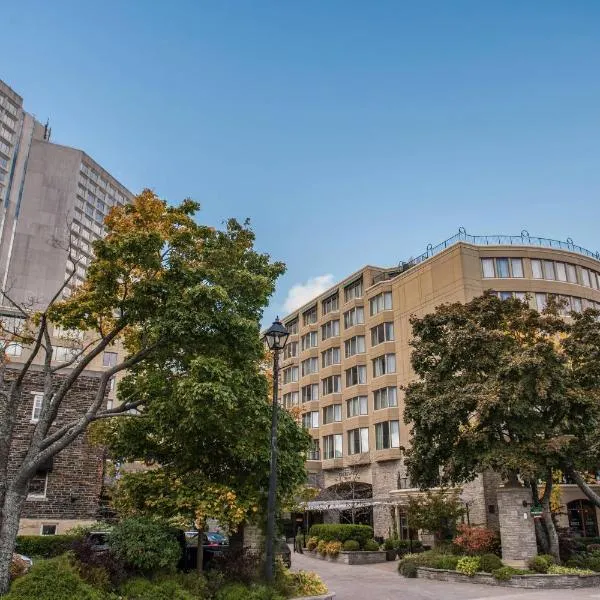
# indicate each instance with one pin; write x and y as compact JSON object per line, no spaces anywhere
{"x":276,"y":338}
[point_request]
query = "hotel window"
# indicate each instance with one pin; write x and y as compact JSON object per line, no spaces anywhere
{"x":332,"y":385}
{"x":541,"y":301}
{"x":310,"y":420}
{"x":109,"y":359}
{"x":356,"y":375}
{"x":290,"y":375}
{"x":355,"y":345}
{"x":358,"y":440}
{"x":292,"y":326}
{"x":522,"y":296}
{"x":331,"y":357}
{"x":332,"y":446}
{"x":385,"y":398}
{"x":382,"y":333}
{"x":310,"y":365}
{"x":38,"y":485}
{"x":310,"y":392}
{"x":384,"y":364}
{"x":309,"y":340}
{"x":381,"y":302}
{"x":313,"y":451}
{"x":290,"y":350}
{"x":387,"y":435}
{"x":548,"y":269}
{"x":585,"y":277}
{"x":357,"y":406}
{"x":353,"y":290}
{"x":309,"y":316}
{"x":330,"y":304}
{"x":48,"y":530}
{"x":64,"y":354}
{"x":332,"y":414}
{"x":354,"y":316}
{"x":290,"y":399}
{"x":13,"y":349}
{"x":38,"y":398}
{"x":330,"y":329}
{"x":502,"y":267}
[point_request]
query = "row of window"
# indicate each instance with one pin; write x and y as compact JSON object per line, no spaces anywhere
{"x":386,"y":397}
{"x":551,"y":270}
{"x":387,"y":435}
{"x":382,"y":365}
{"x":567,"y":304}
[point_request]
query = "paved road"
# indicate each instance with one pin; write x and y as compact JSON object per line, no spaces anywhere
{"x":382,"y":582}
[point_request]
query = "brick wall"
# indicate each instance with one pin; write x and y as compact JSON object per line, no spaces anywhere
{"x":75,"y":480}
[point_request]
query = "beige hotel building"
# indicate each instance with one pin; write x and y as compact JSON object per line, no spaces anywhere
{"x":348,"y":356}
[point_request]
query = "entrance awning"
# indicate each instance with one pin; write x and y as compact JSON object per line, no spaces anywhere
{"x":324,"y":505}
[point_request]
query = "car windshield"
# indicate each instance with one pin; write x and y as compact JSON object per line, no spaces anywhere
{"x":216,"y":537}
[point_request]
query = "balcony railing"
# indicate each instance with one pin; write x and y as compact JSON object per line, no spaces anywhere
{"x":486,"y":240}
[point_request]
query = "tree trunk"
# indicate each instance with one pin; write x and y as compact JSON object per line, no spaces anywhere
{"x":200,"y":553}
{"x":9,"y":527}
{"x":583,"y":485}
{"x":541,"y":536}
{"x":548,"y":521}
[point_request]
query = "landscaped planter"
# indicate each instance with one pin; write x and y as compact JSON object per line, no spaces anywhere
{"x":352,"y":558}
{"x":536,"y":581}
{"x":328,"y":596}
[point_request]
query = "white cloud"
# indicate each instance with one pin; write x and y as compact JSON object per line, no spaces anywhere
{"x":301,"y":293}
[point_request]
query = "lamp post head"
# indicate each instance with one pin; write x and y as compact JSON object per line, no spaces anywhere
{"x":276,"y":336}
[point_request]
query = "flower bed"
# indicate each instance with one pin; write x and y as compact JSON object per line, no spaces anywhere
{"x":358,"y":557}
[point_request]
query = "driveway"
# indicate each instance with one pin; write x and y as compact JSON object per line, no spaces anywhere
{"x":382,"y":582}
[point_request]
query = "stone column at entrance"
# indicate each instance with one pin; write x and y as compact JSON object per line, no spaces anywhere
{"x":517,"y":529}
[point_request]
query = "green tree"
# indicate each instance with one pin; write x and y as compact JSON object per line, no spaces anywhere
{"x":503,"y":387}
{"x":170,"y":290}
{"x":435,"y":511}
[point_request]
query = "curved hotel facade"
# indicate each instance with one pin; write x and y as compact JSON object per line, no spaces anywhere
{"x":348,"y":356}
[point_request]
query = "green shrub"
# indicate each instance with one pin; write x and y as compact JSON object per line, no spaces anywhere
{"x":333,"y":548}
{"x":312,"y":543}
{"x":559,"y":570}
{"x":445,"y":561}
{"x":350,"y":546}
{"x":145,"y":545}
{"x":238,"y":591}
{"x":593,"y":548}
{"x":541,"y":563}
{"x":298,"y":584}
{"x":146,"y":589}
{"x":505,"y":573}
{"x":407,"y":568}
{"x":50,"y":580}
{"x":371,"y":546}
{"x":341,"y":533}
{"x":490,"y":563}
{"x":390,"y":544}
{"x":408,"y":544}
{"x":322,"y":547}
{"x":585,"y":560}
{"x":44,"y":546}
{"x":469,"y":565}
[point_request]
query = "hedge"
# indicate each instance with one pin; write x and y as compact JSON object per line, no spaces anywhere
{"x":342,"y":533}
{"x":44,"y":546}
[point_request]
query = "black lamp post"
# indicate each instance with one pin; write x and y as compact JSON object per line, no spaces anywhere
{"x":275,"y":337}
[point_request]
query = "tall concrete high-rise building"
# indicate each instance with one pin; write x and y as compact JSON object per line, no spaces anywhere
{"x":348,"y":358}
{"x":53,"y":203}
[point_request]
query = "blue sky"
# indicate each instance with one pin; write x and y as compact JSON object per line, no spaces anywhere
{"x":349,"y":132}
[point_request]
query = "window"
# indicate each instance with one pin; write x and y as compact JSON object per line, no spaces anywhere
{"x":356,"y":375}
{"x":332,"y":385}
{"x":332,"y":446}
{"x":309,"y":316}
{"x":560,"y":271}
{"x":13,"y":349}
{"x":332,"y":414}
{"x":310,"y":420}
{"x":330,"y":329}
{"x":385,"y":398}
{"x":38,"y":398}
{"x":541,"y":301}
{"x":38,"y":485}
{"x":64,"y":354}
{"x":290,"y":375}
{"x":357,"y":406}
{"x":310,"y":392}
{"x":353,"y":290}
{"x":381,"y":302}
{"x":522,"y":296}
{"x":309,"y":340}
{"x":585,"y":277}
{"x":11,"y":324}
{"x":384,"y":364}
{"x":358,"y":440}
{"x":571,"y":273}
{"x":109,"y":359}
{"x":290,"y":350}
{"x":355,"y":345}
{"x":292,"y":326}
{"x":111,"y":383}
{"x":382,"y":333}
{"x":502,"y":267}
{"x":314,"y":451}
{"x":387,"y":435}
{"x":48,"y":530}
{"x":354,"y":316}
{"x":330,"y":304}
{"x":548,"y":269}
{"x":331,"y":357}
{"x":310,"y":365}
{"x":290,"y":399}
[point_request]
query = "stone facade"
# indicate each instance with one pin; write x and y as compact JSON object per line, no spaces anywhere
{"x":517,"y":528}
{"x":74,"y":477}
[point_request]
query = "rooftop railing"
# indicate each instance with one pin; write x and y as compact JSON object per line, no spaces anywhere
{"x":486,"y":240}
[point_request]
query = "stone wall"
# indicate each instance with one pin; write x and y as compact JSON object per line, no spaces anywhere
{"x":517,"y":529}
{"x":481,"y":497}
{"x":385,"y":478}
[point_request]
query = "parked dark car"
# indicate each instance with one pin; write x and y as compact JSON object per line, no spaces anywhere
{"x":213,"y":545}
